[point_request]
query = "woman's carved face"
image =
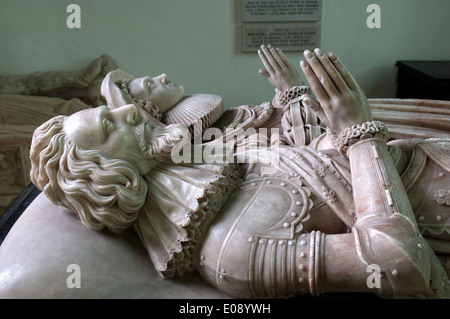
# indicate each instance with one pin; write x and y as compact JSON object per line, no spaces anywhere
{"x":159,"y":90}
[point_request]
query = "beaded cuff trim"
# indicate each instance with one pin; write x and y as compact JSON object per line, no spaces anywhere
{"x":292,"y":93}
{"x":356,"y":133}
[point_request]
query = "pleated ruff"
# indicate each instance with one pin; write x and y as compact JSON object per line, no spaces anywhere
{"x":198,"y":112}
{"x":181,"y":201}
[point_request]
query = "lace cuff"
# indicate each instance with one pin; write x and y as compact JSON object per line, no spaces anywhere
{"x":355,"y":133}
{"x":292,"y":93}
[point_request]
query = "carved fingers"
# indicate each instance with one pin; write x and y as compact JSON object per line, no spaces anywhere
{"x":314,"y":81}
{"x":320,"y":75}
{"x":343,"y":73}
{"x":278,"y":70}
{"x":340,"y":101}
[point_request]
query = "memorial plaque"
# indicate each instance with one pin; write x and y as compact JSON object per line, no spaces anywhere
{"x":286,"y":36}
{"x":281,"y":10}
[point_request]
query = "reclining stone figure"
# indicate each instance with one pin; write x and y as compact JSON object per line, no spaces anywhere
{"x":338,"y":205}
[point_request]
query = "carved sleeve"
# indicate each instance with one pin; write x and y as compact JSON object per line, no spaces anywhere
{"x":386,"y":233}
{"x":385,"y":252}
{"x":299,"y":122}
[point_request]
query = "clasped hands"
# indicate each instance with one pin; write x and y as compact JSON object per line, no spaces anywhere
{"x":339,"y":101}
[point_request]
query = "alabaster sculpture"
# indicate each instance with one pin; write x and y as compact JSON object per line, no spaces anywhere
{"x":298,"y":195}
{"x":27,"y":101}
{"x":83,"y":84}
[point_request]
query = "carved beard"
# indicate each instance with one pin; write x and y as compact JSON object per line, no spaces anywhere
{"x":161,"y":143}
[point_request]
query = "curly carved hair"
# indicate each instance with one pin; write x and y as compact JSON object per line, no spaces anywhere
{"x":103,"y":192}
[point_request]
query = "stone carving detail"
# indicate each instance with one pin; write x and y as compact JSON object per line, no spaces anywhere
{"x":329,"y":194}
{"x":23,"y":107}
{"x":305,"y":227}
{"x":442,"y":197}
{"x":414,"y":168}
{"x":83,"y":84}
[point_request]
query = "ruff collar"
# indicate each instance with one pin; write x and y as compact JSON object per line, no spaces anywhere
{"x":181,"y":201}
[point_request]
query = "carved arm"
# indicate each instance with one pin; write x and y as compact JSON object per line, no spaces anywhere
{"x":385,"y":235}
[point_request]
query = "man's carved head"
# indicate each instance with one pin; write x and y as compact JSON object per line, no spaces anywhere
{"x":92,"y":162}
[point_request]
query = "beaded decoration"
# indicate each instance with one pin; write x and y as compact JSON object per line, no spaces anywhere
{"x":355,"y":133}
{"x":292,"y":93}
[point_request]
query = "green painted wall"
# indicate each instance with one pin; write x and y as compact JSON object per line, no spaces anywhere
{"x":197,"y":42}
